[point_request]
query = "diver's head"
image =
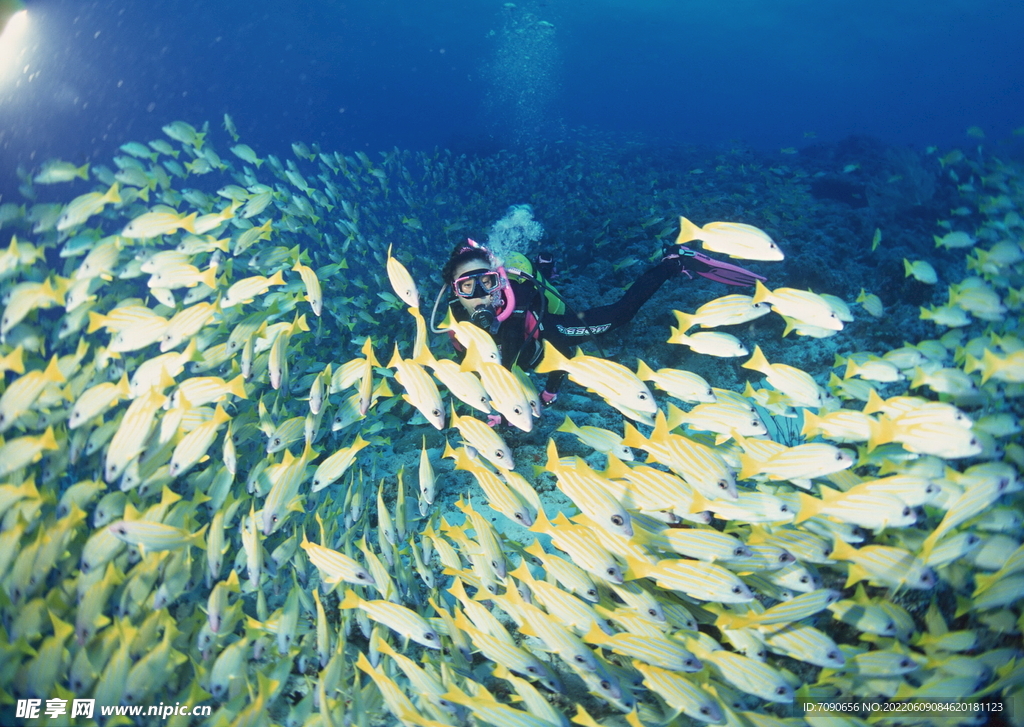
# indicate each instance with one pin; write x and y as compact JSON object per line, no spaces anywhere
{"x":477,"y":279}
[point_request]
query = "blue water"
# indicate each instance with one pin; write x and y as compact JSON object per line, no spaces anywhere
{"x":473,"y":75}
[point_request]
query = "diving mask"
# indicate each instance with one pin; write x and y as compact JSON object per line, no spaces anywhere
{"x":477,"y":283}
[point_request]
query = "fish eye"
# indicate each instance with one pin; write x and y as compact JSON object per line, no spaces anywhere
{"x":642,"y":396}
{"x":784,"y":508}
{"x":617,"y":520}
{"x":606,"y":685}
{"x":430,"y":636}
{"x":723,"y":485}
{"x":533,"y":670}
{"x":737,"y":552}
{"x":906,"y":512}
{"x":436,"y":412}
{"x":737,"y":590}
{"x":517,"y":410}
{"x":499,"y":454}
{"x":839,"y":456}
{"x":705,"y":711}
{"x":579,"y":659}
{"x":611,"y":572}
{"x":782,"y":691}
{"x":592,"y":593}
{"x":805,"y":579}
{"x":833,"y":656}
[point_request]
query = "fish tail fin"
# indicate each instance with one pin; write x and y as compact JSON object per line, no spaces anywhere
{"x":237,"y":386}
{"x":541,"y":524}
{"x":638,"y":567}
{"x":841,"y":550}
{"x":809,"y":507}
{"x":984,"y":581}
{"x":616,"y":469}
{"x":661,"y":429}
{"x":748,"y":467}
{"x":686,"y":321}
{"x":761,"y":292}
{"x":855,"y":574}
{"x":189,"y":224}
{"x":554,"y":360}
{"x":972,"y":364}
{"x":676,"y":416}
{"x":367,"y":352}
{"x":113,"y":195}
{"x":633,"y":437}
{"x":96,"y":322}
{"x":643,"y":371}
{"x":396,"y":358}
{"x":676,"y":335}
{"x":351,"y":600}
{"x":209,"y":278}
{"x":881,"y":431}
{"x":52,"y":373}
{"x":568,"y":426}
{"x":989,"y":365}
{"x":812,"y":424}
{"x":758,"y":362}
{"x":875,"y":402}
{"x":553,"y":464}
{"x":687,"y":231}
{"x":198,"y":538}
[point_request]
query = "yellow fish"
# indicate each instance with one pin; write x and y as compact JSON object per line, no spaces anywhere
{"x":611,"y":380}
{"x":871,"y":303}
{"x":920,"y":270}
{"x":160,"y":221}
{"x":402,"y":282}
{"x":314,"y":294}
{"x":400,"y":619}
{"x":801,"y":305}
{"x":734,"y":239}
{"x":421,"y":391}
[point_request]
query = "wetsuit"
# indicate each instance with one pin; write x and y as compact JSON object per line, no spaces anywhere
{"x":519,"y":337}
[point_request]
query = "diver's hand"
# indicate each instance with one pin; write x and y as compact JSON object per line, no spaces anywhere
{"x":547,"y":398}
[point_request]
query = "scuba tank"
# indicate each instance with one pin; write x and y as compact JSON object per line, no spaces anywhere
{"x":520,"y":269}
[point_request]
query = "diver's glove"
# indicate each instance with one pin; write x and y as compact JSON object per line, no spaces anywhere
{"x":494,"y":420}
{"x":548,"y":398}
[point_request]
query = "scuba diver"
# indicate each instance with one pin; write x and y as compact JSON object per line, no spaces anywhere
{"x":513,"y":301}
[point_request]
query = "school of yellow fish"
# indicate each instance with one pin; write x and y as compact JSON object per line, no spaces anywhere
{"x":200,"y":503}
